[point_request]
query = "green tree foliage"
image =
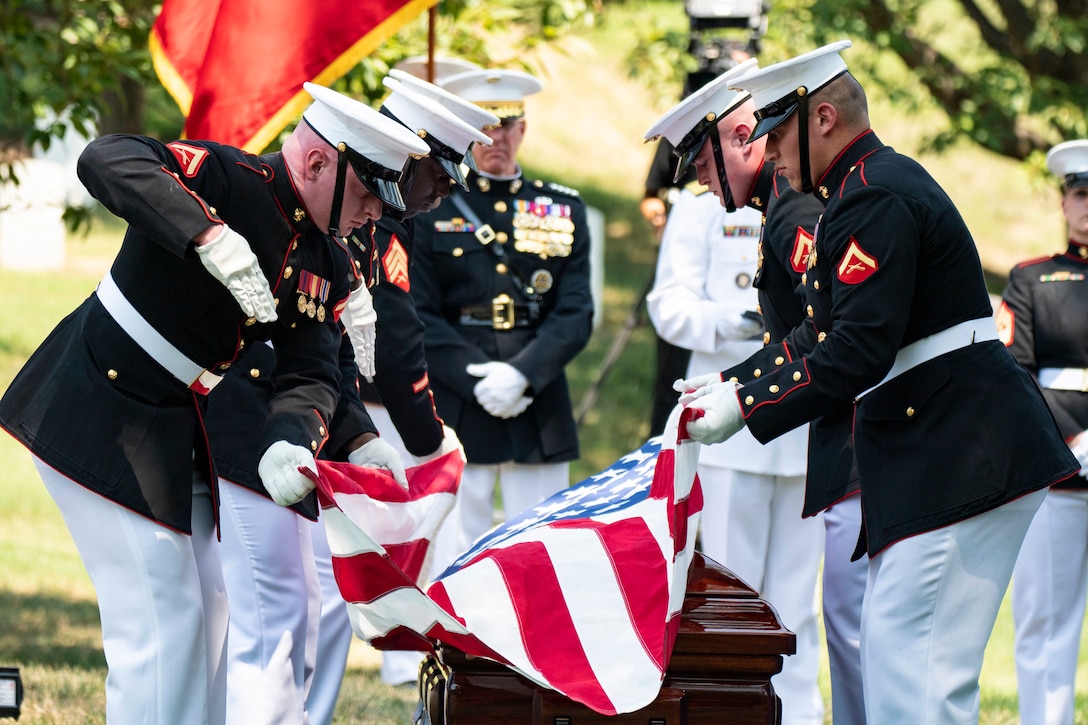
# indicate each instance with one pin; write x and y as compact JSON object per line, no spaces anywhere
{"x":1009,"y":75}
{"x":85,"y":64}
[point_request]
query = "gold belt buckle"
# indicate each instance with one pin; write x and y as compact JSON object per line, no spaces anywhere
{"x":502,"y":312}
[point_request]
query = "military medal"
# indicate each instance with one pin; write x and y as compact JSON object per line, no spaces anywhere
{"x":313,"y":294}
{"x":542,"y":280}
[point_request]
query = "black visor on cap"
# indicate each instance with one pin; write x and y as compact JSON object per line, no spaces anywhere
{"x":448,"y":159}
{"x":773,"y":115}
{"x":689,"y":146}
{"x":1075,"y":180}
{"x":379,"y":180}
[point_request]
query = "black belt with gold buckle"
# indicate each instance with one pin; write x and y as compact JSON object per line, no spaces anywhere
{"x":502,"y":314}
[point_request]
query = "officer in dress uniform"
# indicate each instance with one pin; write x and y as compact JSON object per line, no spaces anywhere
{"x":221,"y":249}
{"x":703,"y":300}
{"x":1043,"y":319}
{"x":501,"y":282}
{"x":271,"y":555}
{"x":954,"y":444}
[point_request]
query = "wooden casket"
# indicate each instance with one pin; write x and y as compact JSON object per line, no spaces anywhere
{"x":729,"y":644}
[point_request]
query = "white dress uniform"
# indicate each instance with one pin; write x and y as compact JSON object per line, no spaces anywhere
{"x":753,"y":493}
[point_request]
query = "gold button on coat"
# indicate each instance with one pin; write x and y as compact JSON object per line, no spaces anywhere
{"x":774,"y":388}
{"x":821,"y":337}
{"x":756,"y":373}
{"x":796,"y":375}
{"x":457,"y":251}
{"x":910,"y":412}
{"x":254,"y":373}
{"x":287,"y":272}
{"x":313,"y":445}
{"x":779,"y":360}
{"x":111,"y":374}
{"x":749,"y":400}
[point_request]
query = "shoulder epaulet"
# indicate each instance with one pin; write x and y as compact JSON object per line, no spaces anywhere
{"x":553,"y":188}
{"x":1035,"y":260}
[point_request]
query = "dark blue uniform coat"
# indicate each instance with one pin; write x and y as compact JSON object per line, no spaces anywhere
{"x":93,"y":405}
{"x":892,"y":263}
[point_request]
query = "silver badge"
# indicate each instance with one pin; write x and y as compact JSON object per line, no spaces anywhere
{"x":743,"y":280}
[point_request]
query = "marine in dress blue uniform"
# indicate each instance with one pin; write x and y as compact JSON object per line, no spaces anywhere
{"x":396,"y":390}
{"x":1043,"y":319}
{"x":112,"y":403}
{"x":703,"y":300}
{"x":501,"y":282}
{"x":954,"y":444}
{"x":272,"y":557}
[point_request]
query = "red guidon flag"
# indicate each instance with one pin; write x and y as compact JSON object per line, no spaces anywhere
{"x":236,"y":67}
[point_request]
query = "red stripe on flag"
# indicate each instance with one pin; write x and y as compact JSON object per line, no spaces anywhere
{"x":367,"y":577}
{"x":547,"y":630}
{"x":641,"y":578}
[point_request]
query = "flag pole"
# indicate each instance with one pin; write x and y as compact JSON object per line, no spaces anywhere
{"x":432,"y":16}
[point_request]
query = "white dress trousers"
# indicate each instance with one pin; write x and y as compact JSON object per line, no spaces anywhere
{"x":399,"y":667}
{"x":275,"y":600}
{"x":333,"y":635}
{"x":930,"y":607}
{"x":843,"y":594}
{"x":1048,"y":600}
{"x":162,"y":604}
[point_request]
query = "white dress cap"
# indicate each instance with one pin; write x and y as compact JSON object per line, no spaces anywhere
{"x":777,"y":88}
{"x":448,"y":137}
{"x":1069,"y":162}
{"x":443,"y":67}
{"x":468,"y":112}
{"x":502,"y":92}
{"x":377,"y":146}
{"x":688,"y":124}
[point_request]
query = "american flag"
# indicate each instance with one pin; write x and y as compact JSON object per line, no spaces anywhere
{"x":580,"y":594}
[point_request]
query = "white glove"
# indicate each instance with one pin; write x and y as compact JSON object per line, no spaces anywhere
{"x":1079,"y":447}
{"x":231,"y":261}
{"x":279,"y":473}
{"x":722,"y":416}
{"x":738,"y":327}
{"x":360,"y":320}
{"x":376,"y":453}
{"x":501,"y":392}
{"x":450,"y":442}
{"x":690,"y":387}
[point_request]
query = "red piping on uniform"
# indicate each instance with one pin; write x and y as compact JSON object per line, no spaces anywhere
{"x":841,"y":153}
{"x":792,"y":388}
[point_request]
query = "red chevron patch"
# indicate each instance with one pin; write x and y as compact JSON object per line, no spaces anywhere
{"x":856,"y":264}
{"x":395,"y":264}
{"x":190,"y":157}
{"x":802,"y":245}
